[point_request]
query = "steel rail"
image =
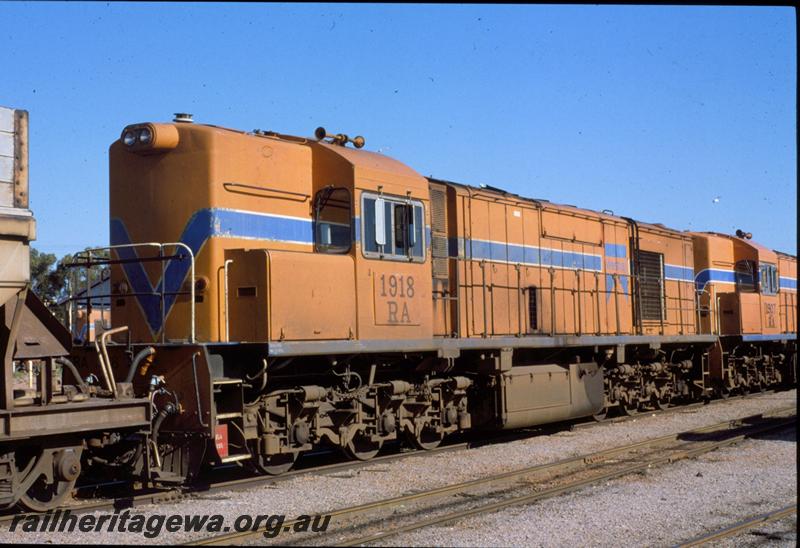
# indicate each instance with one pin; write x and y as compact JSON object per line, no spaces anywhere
{"x":741,"y":526}
{"x":571,"y":486}
{"x":580,"y":460}
{"x":669,"y":410}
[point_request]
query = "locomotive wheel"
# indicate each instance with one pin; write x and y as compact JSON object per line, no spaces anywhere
{"x":426,"y":439}
{"x":662,"y":403}
{"x":362,"y":448}
{"x":274,"y":465}
{"x":741,"y":385}
{"x":48,"y":478}
{"x":630,"y":407}
{"x":43,"y":496}
{"x":601,"y":415}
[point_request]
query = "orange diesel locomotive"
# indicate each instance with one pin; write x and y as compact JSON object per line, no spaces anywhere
{"x":292,"y":292}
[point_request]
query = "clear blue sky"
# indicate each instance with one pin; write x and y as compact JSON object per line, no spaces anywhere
{"x":650,"y":111}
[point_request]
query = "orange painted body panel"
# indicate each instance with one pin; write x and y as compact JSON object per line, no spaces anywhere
{"x":787,"y":296}
{"x":750,"y":317}
{"x":741,"y":314}
{"x":529,"y":268}
{"x":320,"y":306}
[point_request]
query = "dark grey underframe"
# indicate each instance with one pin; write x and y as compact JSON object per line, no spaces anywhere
{"x":450,"y":347}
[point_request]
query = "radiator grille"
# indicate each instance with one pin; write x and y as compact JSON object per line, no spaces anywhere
{"x":533,"y":321}
{"x":651,"y":285}
{"x":439,"y":249}
{"x":439,"y":253}
{"x":438,"y":211}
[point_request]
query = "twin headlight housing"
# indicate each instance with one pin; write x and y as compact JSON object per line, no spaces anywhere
{"x":149,"y":138}
{"x":142,"y":135}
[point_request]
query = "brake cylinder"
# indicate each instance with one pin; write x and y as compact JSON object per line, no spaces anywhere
{"x":313,"y":393}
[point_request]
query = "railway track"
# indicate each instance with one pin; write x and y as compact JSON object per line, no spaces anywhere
{"x":164,"y":496}
{"x":378,"y":520}
{"x":167,"y":496}
{"x":590,"y":423}
{"x":741,"y":526}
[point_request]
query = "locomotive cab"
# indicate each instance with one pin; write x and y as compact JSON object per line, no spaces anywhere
{"x":737,"y":285}
{"x":753,"y":307}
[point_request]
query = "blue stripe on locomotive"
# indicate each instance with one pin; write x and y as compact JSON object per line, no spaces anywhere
{"x":204,"y":224}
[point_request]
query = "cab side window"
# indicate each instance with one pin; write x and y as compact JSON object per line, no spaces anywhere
{"x":768,"y":279}
{"x":392,"y":228}
{"x":332,"y":220}
{"x":745,"y":276}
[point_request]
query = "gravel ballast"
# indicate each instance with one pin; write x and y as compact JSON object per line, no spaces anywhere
{"x":665,"y":506}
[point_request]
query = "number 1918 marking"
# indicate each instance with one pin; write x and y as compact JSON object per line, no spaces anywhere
{"x":770,"y":310}
{"x":399,"y":286}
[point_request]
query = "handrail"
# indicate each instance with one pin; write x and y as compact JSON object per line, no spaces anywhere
{"x":301,"y":197}
{"x":674,"y":307}
{"x":87,"y":254}
{"x":227,"y":310}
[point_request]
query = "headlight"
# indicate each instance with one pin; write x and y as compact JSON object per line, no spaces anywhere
{"x":148,"y":138}
{"x":145,"y":136}
{"x":129,"y":138}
